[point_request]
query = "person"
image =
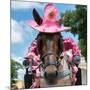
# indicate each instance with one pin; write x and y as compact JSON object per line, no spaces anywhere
{"x":72,"y":51}
{"x":28,"y":77}
{"x":34,"y":58}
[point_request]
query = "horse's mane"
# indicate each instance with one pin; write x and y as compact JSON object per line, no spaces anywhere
{"x":41,"y":36}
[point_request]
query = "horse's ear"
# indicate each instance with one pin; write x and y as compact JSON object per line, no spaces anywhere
{"x":37,"y":17}
{"x":61,"y":20}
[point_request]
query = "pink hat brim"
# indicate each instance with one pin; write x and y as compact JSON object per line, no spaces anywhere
{"x":46,"y":29}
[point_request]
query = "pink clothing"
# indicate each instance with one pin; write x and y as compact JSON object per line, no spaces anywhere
{"x":35,"y":57}
{"x":70,"y":44}
{"x":50,"y":12}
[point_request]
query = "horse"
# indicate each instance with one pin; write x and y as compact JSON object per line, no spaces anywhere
{"x":50,"y":47}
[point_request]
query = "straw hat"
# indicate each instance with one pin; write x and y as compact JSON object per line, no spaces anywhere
{"x":49,"y":22}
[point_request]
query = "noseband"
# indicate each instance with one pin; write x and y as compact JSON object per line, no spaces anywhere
{"x":61,"y":74}
{"x":57,"y":63}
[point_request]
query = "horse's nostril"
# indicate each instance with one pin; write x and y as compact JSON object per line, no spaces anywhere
{"x":50,"y":75}
{"x":56,"y":73}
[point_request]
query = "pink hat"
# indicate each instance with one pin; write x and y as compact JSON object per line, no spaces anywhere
{"x":49,"y":23}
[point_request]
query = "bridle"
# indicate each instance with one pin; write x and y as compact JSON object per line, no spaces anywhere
{"x":57,"y":63}
{"x":61,"y":74}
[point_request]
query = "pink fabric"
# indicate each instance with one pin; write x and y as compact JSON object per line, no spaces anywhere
{"x":34,"y":55}
{"x":50,"y":13}
{"x":73,"y":79}
{"x":70,"y":44}
{"x":48,"y":26}
{"x":74,"y":69}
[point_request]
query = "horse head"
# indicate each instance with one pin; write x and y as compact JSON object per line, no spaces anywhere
{"x":50,"y":46}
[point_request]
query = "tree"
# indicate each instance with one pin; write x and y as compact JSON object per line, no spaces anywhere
{"x":15,"y":66}
{"x":77,"y":19}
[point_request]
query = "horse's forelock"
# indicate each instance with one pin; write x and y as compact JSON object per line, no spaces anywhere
{"x":41,"y":41}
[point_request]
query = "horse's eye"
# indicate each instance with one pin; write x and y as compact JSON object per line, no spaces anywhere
{"x":43,"y":60}
{"x":61,"y":57}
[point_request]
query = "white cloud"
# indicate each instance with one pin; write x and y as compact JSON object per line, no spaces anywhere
{"x":21,"y":73}
{"x":25,"y":5}
{"x":16,"y":32}
{"x":17,"y":59}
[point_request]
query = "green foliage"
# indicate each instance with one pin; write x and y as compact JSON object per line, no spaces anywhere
{"x":15,"y":66}
{"x":83,"y":47}
{"x":77,"y":20}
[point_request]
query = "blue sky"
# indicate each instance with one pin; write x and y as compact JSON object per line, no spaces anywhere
{"x":21,"y":34}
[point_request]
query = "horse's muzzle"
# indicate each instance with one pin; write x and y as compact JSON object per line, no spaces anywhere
{"x":50,"y":76}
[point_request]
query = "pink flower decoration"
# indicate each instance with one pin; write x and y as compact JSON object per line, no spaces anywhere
{"x":70,"y":59}
{"x":74,"y":79}
{"x":36,"y":58}
{"x":30,"y":55}
{"x":76,"y":50}
{"x":34,"y":84}
{"x":35,"y":67}
{"x":70,"y":44}
{"x":74,"y":69}
{"x":37,"y":73}
{"x":34,"y":43}
{"x":50,"y":12}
